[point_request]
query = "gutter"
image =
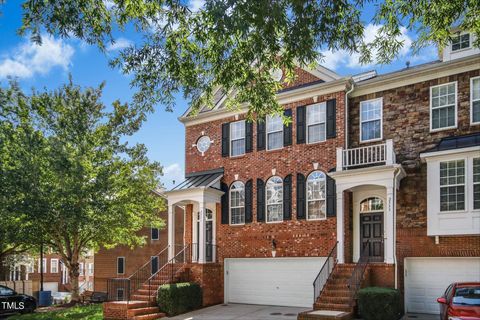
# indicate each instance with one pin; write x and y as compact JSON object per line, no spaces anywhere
{"x":346,"y":113}
{"x":395,"y":227}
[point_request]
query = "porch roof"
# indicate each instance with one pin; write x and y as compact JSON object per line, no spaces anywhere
{"x":200,"y":179}
{"x":456,"y":142}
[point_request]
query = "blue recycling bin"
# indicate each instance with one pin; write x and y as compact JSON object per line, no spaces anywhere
{"x":44,"y":298}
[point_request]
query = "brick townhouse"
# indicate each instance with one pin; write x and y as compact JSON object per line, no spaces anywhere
{"x":375,"y":182}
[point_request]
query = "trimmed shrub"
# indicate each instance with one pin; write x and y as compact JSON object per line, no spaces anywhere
{"x":179,"y":298}
{"x":375,"y":303}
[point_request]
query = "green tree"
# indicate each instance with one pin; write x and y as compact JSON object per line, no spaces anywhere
{"x":68,"y":172}
{"x":234,"y":44}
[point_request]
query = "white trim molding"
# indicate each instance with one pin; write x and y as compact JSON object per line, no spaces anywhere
{"x":472,"y":101}
{"x":444,"y":106}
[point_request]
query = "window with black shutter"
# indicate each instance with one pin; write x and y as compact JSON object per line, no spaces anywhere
{"x":155,"y":233}
{"x":261,"y":134}
{"x":120,"y":265}
{"x":225,"y":139}
{"x":248,"y":136}
{"x":287,"y":197}
{"x":331,"y":118}
{"x":331,"y":197}
{"x":224,"y":202}
{"x":301,"y":203}
{"x":260,"y":200}
{"x":301,"y":125}
{"x":287,"y":129}
{"x":248,"y":201}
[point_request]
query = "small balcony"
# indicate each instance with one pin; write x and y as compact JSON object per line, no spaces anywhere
{"x":372,"y":155}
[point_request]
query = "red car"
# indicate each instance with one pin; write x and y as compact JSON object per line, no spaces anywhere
{"x":461,"y":301}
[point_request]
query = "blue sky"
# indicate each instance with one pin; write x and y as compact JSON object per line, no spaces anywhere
{"x":48,"y":66}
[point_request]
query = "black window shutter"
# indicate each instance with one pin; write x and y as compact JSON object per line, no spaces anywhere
{"x":225,"y":139}
{"x":248,"y":201}
{"x":248,"y":136}
{"x":331,"y":118}
{"x":331,"y":197}
{"x":301,"y":124}
{"x":261,"y":134}
{"x":301,"y":201}
{"x":287,"y":197}
{"x":225,"y":206}
{"x":287,"y":130}
{"x":260,"y":200}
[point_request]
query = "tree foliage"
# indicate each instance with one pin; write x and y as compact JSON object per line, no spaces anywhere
{"x":234,"y":44}
{"x":68,"y":173}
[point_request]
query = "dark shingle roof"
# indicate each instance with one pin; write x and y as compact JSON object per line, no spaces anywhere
{"x":458,"y":142}
{"x":199,"y":179}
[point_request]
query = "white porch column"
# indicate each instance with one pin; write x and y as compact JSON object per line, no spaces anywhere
{"x":201,"y":233}
{"x":340,"y":228}
{"x":389,"y":227}
{"x":171,"y":232}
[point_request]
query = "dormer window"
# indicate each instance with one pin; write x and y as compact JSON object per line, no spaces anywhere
{"x":461,"y":41}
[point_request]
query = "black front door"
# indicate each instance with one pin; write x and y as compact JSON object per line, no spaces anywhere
{"x":209,"y":241}
{"x":371,"y":235}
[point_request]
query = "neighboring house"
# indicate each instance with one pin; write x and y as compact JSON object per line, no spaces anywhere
{"x":380,"y":173}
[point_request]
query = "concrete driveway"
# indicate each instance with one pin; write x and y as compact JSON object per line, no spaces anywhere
{"x":420,"y":316}
{"x":242,"y":312}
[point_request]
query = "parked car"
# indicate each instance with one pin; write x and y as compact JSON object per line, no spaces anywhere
{"x":461,"y":301}
{"x":12,"y":302}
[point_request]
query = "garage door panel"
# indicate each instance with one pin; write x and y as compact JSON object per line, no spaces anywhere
{"x":280,"y":281}
{"x":426,"y":279}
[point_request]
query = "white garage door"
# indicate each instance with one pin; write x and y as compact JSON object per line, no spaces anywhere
{"x":427,"y":278}
{"x":50,"y":286}
{"x":275,"y":282}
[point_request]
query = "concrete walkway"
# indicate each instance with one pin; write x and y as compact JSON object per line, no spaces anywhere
{"x":421,"y":316}
{"x":242,"y":312}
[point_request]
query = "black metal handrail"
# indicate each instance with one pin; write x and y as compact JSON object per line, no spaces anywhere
{"x":356,"y":278}
{"x":325,"y":271}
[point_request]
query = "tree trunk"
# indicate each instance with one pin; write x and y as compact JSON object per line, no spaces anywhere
{"x":73,"y":272}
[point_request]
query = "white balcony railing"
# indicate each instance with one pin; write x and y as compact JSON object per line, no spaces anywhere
{"x":366,"y":156}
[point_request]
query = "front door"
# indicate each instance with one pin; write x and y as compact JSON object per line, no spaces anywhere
{"x":371,"y":235}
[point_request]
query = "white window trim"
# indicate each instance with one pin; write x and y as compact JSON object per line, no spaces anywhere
{"x":316,"y":123}
{"x":325,"y":199}
{"x":471,"y":101}
{"x":464,"y":184}
{"x":267,"y":133}
{"x":45,"y":269}
{"x":123,"y":264}
{"x":151,"y":234}
{"x":90,"y":269}
{"x":462,"y":49}
{"x":456,"y":107}
{"x":381,"y":120}
{"x":53,"y":262}
{"x":81,"y":269}
{"x":266,"y":202}
{"x":473,"y":185}
{"x":231,"y":140}
{"x":230,"y":207}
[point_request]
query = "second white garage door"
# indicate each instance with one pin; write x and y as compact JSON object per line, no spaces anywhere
{"x":275,"y":281}
{"x":427,"y":278}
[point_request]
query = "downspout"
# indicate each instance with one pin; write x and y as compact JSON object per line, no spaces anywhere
{"x":346,"y":113}
{"x":395,"y":226}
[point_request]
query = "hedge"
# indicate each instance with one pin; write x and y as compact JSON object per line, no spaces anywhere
{"x":178,"y":298}
{"x":375,"y":303}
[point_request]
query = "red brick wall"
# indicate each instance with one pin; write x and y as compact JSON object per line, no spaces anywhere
{"x":406,"y":116}
{"x":301,"y":77}
{"x":106,"y":259}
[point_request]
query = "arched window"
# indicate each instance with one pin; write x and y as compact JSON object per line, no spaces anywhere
{"x":371,"y":204}
{"x":237,"y":203}
{"x":316,"y":195}
{"x":274,"y":190}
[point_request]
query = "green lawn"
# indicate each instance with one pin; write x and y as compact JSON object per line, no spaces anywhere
{"x":90,"y":312}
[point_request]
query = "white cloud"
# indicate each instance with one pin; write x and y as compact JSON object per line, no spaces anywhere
{"x":196,"y":5}
{"x":335,"y":59}
{"x":29,"y":59}
{"x":171,"y":173}
{"x":120,"y":43}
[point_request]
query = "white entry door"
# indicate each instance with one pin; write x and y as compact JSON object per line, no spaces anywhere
{"x":271,"y":281}
{"x":426,"y":279}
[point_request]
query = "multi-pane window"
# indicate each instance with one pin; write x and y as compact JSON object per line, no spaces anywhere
{"x":371,"y":120}
{"x":120,"y":265}
{"x":461,"y":41}
{"x":316,"y":122}
{"x":90,"y":269}
{"x":316,"y":195}
{"x":443,"y":99}
{"x":274,"y":132}
{"x":371,"y":204}
{"x":476,"y":183}
{"x":44,"y":265}
{"x":237,"y":138}
{"x":237,"y":203}
{"x":53,"y":265}
{"x":274,"y":190}
{"x":475,"y":99}
{"x":452,"y":185}
{"x":81,"y":269}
